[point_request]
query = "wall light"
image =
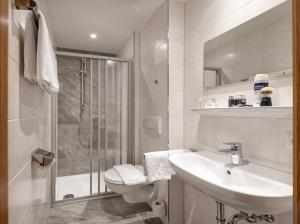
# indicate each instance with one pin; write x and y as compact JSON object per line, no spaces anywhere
{"x":110,"y":62}
{"x":93,"y":36}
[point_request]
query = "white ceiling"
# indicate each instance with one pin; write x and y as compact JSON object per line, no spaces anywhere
{"x":71,"y":22}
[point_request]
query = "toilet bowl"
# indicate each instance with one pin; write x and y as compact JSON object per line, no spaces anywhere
{"x":131,"y":193}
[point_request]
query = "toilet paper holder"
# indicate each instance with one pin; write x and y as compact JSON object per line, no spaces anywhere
{"x":159,"y":208}
{"x":43,"y":157}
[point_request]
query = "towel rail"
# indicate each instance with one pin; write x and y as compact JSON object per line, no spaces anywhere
{"x":28,"y":5}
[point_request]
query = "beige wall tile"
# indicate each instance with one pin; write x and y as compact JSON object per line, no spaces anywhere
{"x":18,"y":144}
{"x":19,"y":196}
{"x":13,"y":89}
{"x":285,"y":141}
{"x":29,"y":127}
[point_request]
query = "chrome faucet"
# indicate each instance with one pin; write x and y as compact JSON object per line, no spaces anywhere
{"x":235,"y":151}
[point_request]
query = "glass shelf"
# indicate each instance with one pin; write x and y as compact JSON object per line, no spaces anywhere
{"x":256,"y":112}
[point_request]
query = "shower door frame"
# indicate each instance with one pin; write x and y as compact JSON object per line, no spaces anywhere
{"x":54,"y":125}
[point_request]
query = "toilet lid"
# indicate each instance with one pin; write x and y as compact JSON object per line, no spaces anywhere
{"x":113,"y":177}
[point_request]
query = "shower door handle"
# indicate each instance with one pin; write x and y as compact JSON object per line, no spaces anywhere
{"x":99,"y":116}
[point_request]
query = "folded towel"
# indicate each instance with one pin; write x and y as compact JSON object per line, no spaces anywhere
{"x":30,"y":49}
{"x":46,"y":59}
{"x":157,"y":166}
{"x":130,"y":174}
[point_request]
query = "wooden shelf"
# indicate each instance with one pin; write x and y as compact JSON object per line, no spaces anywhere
{"x":255,"y":112}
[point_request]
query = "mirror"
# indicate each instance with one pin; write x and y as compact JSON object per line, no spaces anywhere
{"x":261,"y":45}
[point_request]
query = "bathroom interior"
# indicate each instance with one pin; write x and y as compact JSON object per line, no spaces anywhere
{"x":150,"y":111}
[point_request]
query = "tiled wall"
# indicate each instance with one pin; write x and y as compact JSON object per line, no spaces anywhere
{"x":28,"y":128}
{"x":176,"y":73}
{"x":131,"y":51}
{"x":154,"y":97}
{"x":266,"y":141}
{"x":154,"y":66}
{"x":176,"y":76}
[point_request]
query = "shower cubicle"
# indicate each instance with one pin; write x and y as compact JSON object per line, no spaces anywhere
{"x":91,"y":124}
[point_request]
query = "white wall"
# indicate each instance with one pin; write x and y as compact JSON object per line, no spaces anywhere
{"x":131,"y":51}
{"x":148,"y":52}
{"x":176,"y":73}
{"x":154,"y":66}
{"x":127,"y":50}
{"x":266,"y":141}
{"x":28,"y":128}
{"x":154,"y":97}
{"x":176,"y":76}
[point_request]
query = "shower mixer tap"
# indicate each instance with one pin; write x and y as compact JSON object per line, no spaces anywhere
{"x":83,"y":72}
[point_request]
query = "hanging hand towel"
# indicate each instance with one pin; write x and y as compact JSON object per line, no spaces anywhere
{"x":30,"y":49}
{"x":157,"y":166}
{"x":46,"y":59}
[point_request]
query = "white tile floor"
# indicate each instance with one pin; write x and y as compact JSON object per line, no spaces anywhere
{"x":79,"y":185}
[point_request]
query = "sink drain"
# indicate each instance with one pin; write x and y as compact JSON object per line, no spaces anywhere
{"x":68,"y":196}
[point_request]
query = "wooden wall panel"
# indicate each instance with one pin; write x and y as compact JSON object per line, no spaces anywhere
{"x":296,"y":92}
{"x":3,"y":111}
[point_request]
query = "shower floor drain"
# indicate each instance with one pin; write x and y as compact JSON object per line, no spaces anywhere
{"x":68,"y":196}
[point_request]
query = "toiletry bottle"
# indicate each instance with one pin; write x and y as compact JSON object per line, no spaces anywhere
{"x":230,"y":101}
{"x":240,"y":100}
{"x":260,"y":81}
{"x":266,"y":97}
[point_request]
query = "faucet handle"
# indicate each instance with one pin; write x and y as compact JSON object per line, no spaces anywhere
{"x":234,"y":145}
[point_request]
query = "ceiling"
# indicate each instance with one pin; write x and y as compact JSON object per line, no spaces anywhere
{"x":72,"y":21}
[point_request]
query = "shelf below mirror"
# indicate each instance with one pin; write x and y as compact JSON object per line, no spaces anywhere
{"x":254,"y":112}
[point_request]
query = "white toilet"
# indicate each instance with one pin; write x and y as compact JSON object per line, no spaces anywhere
{"x":131,"y":193}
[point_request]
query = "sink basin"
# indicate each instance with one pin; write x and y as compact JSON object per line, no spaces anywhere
{"x":251,"y":187}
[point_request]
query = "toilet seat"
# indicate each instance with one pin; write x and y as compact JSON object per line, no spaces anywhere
{"x":113,"y":177}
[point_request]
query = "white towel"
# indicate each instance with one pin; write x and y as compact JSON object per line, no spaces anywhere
{"x":30,"y":49}
{"x":130,"y":174}
{"x":157,"y":166}
{"x":46,"y":59}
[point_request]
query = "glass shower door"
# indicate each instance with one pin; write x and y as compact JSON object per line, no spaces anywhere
{"x":72,"y":128}
{"x":91,"y":125}
{"x":111,"y":123}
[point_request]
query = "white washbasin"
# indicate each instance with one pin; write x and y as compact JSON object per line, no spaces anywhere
{"x":250,"y":187}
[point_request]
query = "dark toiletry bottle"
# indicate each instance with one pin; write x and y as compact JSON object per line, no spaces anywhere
{"x":231,"y":101}
{"x":266,"y":101}
{"x":240,"y":100}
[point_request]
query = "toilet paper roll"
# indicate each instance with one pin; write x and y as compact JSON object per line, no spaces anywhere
{"x":159,"y":208}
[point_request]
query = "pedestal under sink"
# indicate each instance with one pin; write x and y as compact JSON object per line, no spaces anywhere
{"x":250,"y":187}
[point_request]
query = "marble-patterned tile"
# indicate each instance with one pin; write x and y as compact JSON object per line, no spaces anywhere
{"x":112,"y":210}
{"x":74,"y":125}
